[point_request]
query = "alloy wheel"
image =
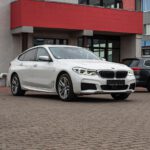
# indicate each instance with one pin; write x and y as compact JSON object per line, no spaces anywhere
{"x":63,"y":87}
{"x":14,"y":84}
{"x":16,"y":87}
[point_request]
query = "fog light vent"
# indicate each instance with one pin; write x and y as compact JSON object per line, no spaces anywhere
{"x":88,"y":86}
{"x":132,"y":86}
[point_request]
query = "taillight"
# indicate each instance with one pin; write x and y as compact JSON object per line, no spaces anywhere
{"x":136,"y":70}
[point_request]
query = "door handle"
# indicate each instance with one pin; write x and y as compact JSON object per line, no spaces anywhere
{"x":35,"y":65}
{"x":21,"y":64}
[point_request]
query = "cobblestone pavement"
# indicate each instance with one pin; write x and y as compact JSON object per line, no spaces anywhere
{"x":43,"y":122}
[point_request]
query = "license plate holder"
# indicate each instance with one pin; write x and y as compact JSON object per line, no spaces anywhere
{"x":115,"y":82}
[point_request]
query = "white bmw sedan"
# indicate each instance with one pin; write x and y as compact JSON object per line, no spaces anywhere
{"x":68,"y":71}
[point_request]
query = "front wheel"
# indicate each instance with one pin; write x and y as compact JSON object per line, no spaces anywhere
{"x":120,"y":96}
{"x":16,"y":87}
{"x":65,"y":88}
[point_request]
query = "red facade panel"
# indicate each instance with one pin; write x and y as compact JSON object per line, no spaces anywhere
{"x":76,"y":17}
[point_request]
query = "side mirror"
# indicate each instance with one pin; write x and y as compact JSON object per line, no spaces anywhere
{"x":103,"y":59}
{"x":44,"y":58}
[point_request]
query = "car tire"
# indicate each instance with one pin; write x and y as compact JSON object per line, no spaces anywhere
{"x":65,"y":88}
{"x":16,"y":87}
{"x":148,"y":85}
{"x":120,"y":96}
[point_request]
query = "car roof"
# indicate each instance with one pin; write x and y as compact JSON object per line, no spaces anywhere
{"x":47,"y":45}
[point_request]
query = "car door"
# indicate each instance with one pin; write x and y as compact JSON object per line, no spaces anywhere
{"x":44,"y":72}
{"x":26,"y":64}
{"x":145,"y":73}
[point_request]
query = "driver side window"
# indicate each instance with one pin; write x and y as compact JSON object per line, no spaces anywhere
{"x":42,"y":52}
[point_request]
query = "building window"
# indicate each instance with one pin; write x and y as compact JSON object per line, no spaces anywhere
{"x":83,"y":2}
{"x":94,"y":2}
{"x":104,"y":47}
{"x":109,"y":3}
{"x":51,"y":41}
{"x":146,"y":52}
{"x":145,"y":43}
{"x":147,"y":29}
{"x":103,"y":3}
{"x":138,"y":5}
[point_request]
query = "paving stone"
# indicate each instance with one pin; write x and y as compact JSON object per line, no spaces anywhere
{"x":43,"y":122}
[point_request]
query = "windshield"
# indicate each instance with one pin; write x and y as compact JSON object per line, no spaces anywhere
{"x":131,"y":62}
{"x":72,"y":53}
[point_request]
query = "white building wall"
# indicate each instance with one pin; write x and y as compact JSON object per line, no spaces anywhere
{"x":10,"y":45}
{"x":131,"y":46}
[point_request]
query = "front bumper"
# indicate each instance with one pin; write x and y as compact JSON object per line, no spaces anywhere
{"x":100,"y":83}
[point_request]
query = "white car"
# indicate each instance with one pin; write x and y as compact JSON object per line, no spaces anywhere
{"x":68,"y":71}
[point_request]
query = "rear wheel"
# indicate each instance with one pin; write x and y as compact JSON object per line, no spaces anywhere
{"x":148,"y":86}
{"x":65,"y":88}
{"x":16,"y":87}
{"x":120,"y":96}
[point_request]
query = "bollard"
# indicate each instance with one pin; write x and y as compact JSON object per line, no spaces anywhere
{"x":3,"y":79}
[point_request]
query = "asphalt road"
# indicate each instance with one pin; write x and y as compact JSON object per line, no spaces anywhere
{"x":43,"y":122}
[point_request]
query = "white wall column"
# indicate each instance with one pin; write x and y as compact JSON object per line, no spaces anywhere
{"x":130,"y":46}
{"x":30,"y":40}
{"x":73,"y":39}
{"x":10,"y":45}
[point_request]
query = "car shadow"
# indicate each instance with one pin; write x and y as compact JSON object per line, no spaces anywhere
{"x":80,"y":99}
{"x":141,"y":92}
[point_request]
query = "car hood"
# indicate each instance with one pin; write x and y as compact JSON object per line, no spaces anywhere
{"x":93,"y":64}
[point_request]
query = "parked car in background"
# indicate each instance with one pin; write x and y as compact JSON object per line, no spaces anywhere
{"x":68,"y":71}
{"x":141,"y":68}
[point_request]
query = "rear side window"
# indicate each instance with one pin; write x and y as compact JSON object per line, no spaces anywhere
{"x":147,"y":63}
{"x":21,"y":57}
{"x":131,"y":62}
{"x":29,"y":55}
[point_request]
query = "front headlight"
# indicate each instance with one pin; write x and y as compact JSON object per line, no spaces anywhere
{"x":83,"y":71}
{"x":130,"y":72}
